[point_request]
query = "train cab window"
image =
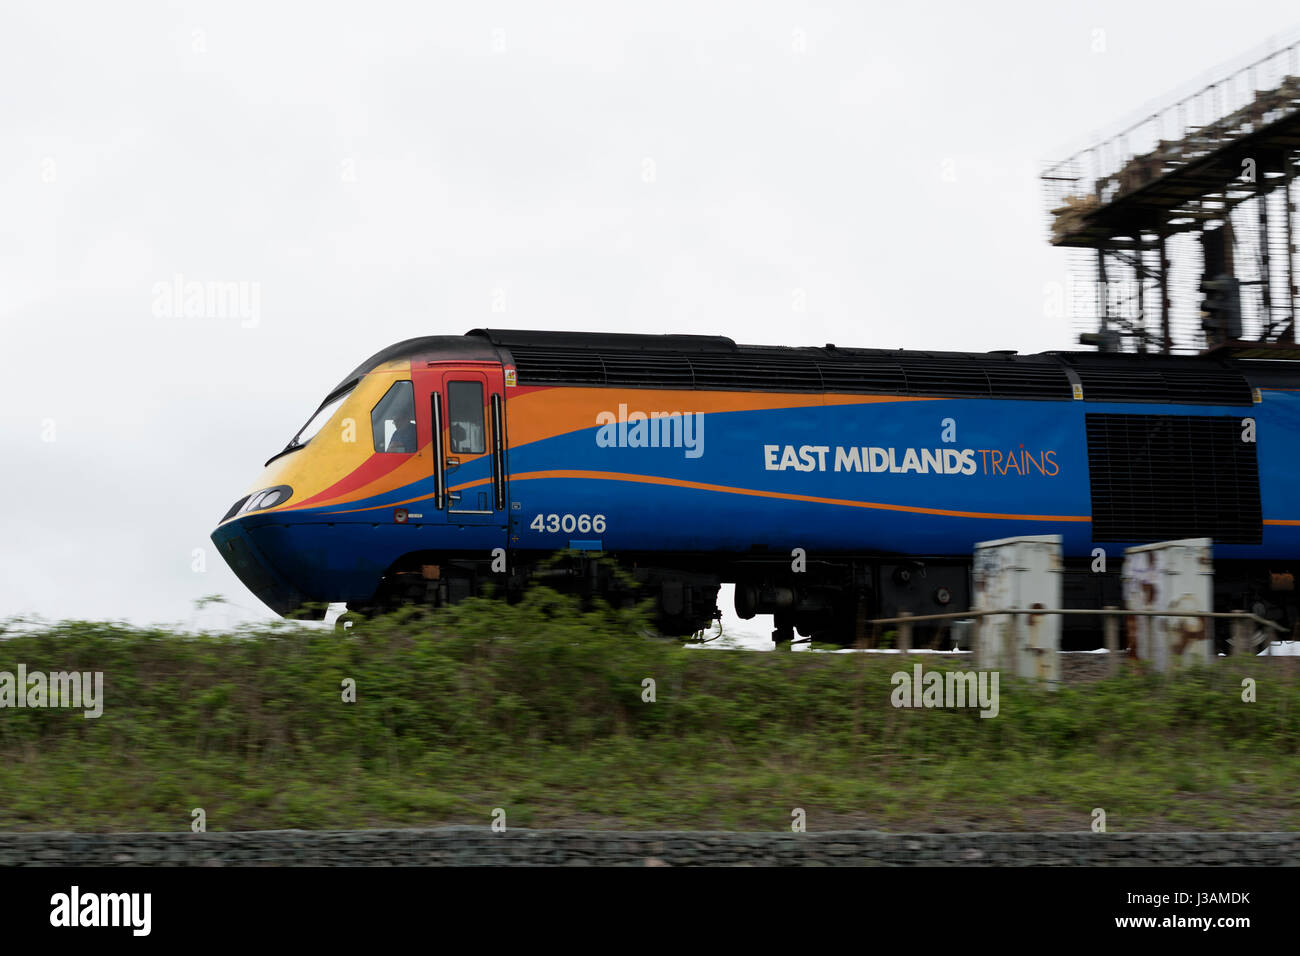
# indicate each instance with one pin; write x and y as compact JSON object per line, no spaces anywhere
{"x":465,"y":413}
{"x":318,"y":420}
{"x":393,"y":420}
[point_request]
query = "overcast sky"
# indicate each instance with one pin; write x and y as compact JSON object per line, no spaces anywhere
{"x":784,"y":173}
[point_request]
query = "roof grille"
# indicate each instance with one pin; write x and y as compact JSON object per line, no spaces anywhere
{"x":778,"y":372}
{"x":543,"y":366}
{"x":1203,"y":384}
{"x":712,"y":362}
{"x":1023,"y":380}
{"x":637,"y":368}
{"x":863,"y":375}
{"x":930,"y":377}
{"x":758,"y":368}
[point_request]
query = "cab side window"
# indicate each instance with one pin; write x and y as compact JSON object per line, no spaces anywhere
{"x":465,"y":412}
{"x":393,"y":420}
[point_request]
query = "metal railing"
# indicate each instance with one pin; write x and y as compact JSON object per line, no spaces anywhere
{"x":1241,"y":642}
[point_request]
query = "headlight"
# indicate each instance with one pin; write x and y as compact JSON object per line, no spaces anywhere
{"x":260,"y":500}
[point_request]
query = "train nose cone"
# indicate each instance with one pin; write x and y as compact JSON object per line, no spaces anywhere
{"x":236,"y":543}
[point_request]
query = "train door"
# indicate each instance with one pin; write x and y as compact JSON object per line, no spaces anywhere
{"x":469,"y":449}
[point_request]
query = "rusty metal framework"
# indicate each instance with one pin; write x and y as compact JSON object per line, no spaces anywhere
{"x":1187,"y":242}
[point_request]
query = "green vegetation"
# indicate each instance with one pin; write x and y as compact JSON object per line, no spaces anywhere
{"x":537,"y":708}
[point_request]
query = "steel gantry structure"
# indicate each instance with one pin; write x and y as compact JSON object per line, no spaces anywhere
{"x":1187,"y":242}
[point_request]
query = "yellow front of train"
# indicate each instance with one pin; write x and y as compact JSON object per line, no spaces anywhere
{"x":279,"y":535}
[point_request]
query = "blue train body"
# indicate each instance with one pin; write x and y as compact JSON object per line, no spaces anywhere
{"x":872,"y":462}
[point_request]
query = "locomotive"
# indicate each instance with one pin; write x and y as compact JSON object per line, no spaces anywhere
{"x":830,"y":485}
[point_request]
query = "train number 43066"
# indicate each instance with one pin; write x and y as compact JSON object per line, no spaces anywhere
{"x":569,"y":523}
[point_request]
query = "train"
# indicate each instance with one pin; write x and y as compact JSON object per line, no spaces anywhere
{"x":831,"y":485}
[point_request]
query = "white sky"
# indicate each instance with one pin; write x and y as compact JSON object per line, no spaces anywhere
{"x":380,"y":171}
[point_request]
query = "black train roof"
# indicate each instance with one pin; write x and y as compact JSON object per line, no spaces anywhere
{"x":716,"y":362}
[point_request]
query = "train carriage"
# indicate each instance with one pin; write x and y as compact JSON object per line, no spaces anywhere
{"x":830,"y":484}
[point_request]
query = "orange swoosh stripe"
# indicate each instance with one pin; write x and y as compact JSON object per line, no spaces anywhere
{"x":560,"y":413}
{"x":548,"y":412}
{"x":728,"y":489}
{"x":419,"y":466}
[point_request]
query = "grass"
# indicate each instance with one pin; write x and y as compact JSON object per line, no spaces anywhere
{"x":537,"y":709}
